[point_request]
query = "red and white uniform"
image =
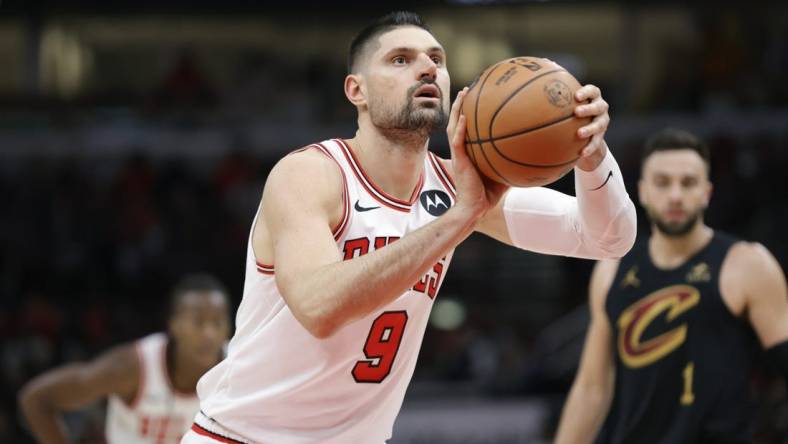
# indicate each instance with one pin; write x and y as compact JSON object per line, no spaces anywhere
{"x":278,"y":383}
{"x":159,"y":414}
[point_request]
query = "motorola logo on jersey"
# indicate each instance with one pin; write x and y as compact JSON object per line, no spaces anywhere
{"x":436,"y":202}
{"x":636,"y":351}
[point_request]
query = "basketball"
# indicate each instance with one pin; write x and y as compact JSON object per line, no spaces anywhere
{"x":521,"y":128}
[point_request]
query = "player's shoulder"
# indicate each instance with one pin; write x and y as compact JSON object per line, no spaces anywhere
{"x":117,"y":370}
{"x":605,"y":270}
{"x":307,"y":158}
{"x":123,"y":359}
{"x":310,"y":166}
{"x":602,"y":277}
{"x":749,"y":260}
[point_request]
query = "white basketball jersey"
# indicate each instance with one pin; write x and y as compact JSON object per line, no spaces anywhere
{"x":159,"y":414}
{"x":278,"y":383}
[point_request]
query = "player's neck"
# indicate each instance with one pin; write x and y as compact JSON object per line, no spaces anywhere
{"x":672,"y":251}
{"x":183,"y":371}
{"x":393,"y":161}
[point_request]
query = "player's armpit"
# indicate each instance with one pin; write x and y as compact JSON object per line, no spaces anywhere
{"x":751,"y":271}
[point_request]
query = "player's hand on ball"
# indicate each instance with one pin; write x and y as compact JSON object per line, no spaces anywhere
{"x":473,"y":189}
{"x":596,"y":149}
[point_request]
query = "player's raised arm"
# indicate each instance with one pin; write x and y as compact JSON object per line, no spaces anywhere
{"x":589,"y":399}
{"x":752,"y":271}
{"x":46,"y":397}
{"x":324,"y":292}
{"x":600,"y":222}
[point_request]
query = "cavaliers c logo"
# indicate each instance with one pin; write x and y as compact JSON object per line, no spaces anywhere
{"x":673,"y":301}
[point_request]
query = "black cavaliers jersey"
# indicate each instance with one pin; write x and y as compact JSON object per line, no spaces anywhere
{"x":682,"y":359}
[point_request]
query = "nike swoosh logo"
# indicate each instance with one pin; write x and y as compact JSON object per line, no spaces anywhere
{"x":609,"y":175}
{"x":361,"y":209}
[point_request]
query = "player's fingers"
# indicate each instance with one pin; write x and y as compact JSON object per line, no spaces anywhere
{"x":458,"y":138}
{"x":597,"y":126}
{"x":593,"y":146}
{"x":455,"y":109}
{"x":587,"y":92}
{"x":595,"y":108}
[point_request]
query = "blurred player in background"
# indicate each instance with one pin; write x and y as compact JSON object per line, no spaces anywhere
{"x":150,"y":383}
{"x":674,"y":323}
{"x":361,"y":233}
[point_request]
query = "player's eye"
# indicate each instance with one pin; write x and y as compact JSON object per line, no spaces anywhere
{"x":437,"y":60}
{"x":689,"y":182}
{"x":661,"y":182}
{"x":399,"y":60}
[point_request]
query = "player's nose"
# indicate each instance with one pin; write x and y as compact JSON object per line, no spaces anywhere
{"x":675,"y":192}
{"x":426,"y":67}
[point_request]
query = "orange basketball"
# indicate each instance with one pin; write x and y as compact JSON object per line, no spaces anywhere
{"x":521,"y":127}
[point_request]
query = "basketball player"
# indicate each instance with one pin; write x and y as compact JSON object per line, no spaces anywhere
{"x":353,"y":238}
{"x":150,"y":383}
{"x":669,"y":347}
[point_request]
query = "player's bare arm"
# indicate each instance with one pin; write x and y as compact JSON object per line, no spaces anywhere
{"x":589,"y":399}
{"x":599,"y":223}
{"x":301,"y":201}
{"x":45,"y":398}
{"x":753,"y":283}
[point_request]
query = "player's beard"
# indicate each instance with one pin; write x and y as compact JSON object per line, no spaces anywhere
{"x":674,"y":229}
{"x":410,"y":117}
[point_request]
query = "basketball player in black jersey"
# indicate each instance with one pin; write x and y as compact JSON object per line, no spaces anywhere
{"x":675,"y":322}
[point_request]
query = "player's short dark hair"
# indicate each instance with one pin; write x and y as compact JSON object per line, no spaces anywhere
{"x":194,"y":282}
{"x":382,"y":25}
{"x":675,"y":139}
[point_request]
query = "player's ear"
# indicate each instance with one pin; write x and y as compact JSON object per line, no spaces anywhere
{"x":707,"y":193}
{"x":355,"y":90}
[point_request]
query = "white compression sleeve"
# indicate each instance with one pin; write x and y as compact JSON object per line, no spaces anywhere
{"x":599,"y":223}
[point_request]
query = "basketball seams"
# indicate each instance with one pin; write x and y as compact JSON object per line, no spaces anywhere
{"x":536,"y":165}
{"x":525,"y":131}
{"x":478,"y":96}
{"x":506,"y":157}
{"x":515,"y":92}
{"x":476,"y":105}
{"x":492,"y":167}
{"x":498,"y":110}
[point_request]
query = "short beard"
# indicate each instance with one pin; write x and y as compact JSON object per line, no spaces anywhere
{"x":674,"y":229}
{"x":409,"y":119}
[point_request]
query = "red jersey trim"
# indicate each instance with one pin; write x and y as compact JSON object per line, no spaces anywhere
{"x":339,"y":229}
{"x":264,"y":268}
{"x":196,"y":428}
{"x":443,"y":175}
{"x":375,"y":191}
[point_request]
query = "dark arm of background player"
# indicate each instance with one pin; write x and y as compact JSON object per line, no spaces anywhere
{"x":44,"y":399}
{"x":589,"y":399}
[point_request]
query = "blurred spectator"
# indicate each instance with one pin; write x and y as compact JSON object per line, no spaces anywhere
{"x":186,"y":86}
